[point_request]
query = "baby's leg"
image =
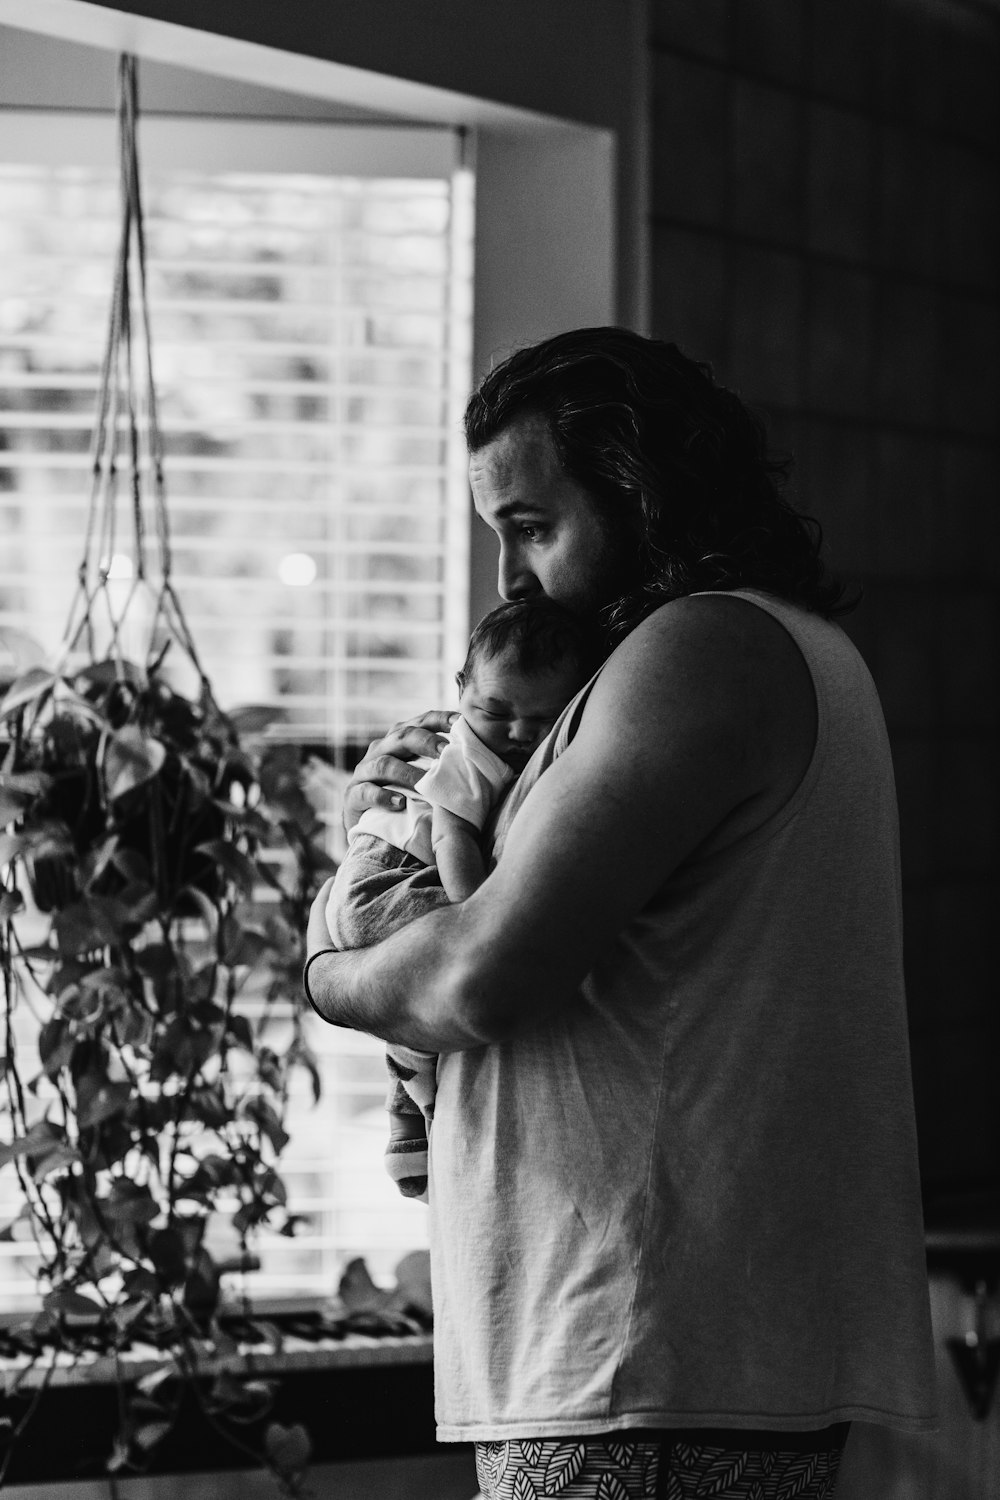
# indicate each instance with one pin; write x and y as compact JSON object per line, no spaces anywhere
{"x":378,"y":889}
{"x":410,"y":1102}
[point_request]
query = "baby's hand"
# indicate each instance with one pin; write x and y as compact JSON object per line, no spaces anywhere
{"x":386,"y":763}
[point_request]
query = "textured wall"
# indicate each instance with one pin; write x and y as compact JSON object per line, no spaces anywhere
{"x":825,"y":205}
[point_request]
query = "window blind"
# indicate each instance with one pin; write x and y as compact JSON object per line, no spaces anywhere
{"x":311,"y":296}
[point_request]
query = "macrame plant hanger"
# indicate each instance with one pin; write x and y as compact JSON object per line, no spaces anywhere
{"x":127,"y":437}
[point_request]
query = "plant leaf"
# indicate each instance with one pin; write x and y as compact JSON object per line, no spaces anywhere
{"x":47,"y":839}
{"x":109,"y":671}
{"x":12,"y":805}
{"x":150,"y":1433}
{"x":26,"y":651}
{"x":166,"y":1251}
{"x":11,"y":845}
{"x":76,"y":930}
{"x":55,"y":1046}
{"x":265,"y":1117}
{"x":142,"y":1283}
{"x":242,"y":945}
{"x":65,"y":1302}
{"x":241,"y":870}
{"x":21,"y":1228}
{"x":11,"y":903}
{"x":32,"y":685}
{"x":150,"y":1384}
{"x":131,"y":759}
{"x":288,"y":1448}
{"x":241,"y":1032}
{"x":41,"y":1139}
{"x":248,"y":818}
{"x":98,"y":1100}
{"x":131,"y":1203}
{"x":33,"y":782}
{"x":11,"y":1150}
{"x":208,"y":911}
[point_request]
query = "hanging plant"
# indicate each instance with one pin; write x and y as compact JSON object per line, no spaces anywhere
{"x":141,"y":832}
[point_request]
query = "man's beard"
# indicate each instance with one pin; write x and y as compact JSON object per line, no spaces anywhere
{"x":613,"y":588}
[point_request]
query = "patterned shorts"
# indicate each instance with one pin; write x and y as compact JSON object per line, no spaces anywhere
{"x":667,"y":1466}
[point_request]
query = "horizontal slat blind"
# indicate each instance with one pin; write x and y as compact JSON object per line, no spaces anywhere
{"x":311,"y":346}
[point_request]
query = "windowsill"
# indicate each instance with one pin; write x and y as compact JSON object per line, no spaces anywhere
{"x":360,"y":1397}
{"x":348,"y":1349}
{"x":55,"y":1369}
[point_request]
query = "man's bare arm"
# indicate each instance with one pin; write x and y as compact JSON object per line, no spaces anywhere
{"x":682,"y":736}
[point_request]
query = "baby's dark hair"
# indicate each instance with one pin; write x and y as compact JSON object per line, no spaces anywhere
{"x":541,"y":635}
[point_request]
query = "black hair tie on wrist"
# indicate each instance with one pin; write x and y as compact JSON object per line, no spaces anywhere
{"x":305,"y":975}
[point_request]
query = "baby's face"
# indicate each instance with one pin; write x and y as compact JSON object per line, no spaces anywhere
{"x":511,"y":711}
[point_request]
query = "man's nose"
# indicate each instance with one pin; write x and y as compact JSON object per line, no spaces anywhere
{"x":514,"y":580}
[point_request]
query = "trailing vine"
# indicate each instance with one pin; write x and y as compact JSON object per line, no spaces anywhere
{"x":134,"y":935}
{"x":158,"y":859}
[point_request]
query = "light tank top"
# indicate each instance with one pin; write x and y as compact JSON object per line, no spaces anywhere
{"x":690,"y":1198}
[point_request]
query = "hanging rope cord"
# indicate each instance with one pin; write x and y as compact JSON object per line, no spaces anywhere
{"x":119,"y":394}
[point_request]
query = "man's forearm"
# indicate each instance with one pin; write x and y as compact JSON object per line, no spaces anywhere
{"x":404,"y":989}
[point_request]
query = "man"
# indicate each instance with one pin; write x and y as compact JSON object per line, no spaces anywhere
{"x":676,"y":1233}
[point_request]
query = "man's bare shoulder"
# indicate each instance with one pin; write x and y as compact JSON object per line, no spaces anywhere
{"x":721,"y":674}
{"x":712,"y":641}
{"x":711,"y":622}
{"x":705,"y":642}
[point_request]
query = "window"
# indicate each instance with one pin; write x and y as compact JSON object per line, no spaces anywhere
{"x":311,"y":315}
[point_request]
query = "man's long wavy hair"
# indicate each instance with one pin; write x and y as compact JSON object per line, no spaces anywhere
{"x":653,"y":438}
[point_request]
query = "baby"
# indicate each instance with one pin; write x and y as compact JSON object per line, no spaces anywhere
{"x":525,"y":661}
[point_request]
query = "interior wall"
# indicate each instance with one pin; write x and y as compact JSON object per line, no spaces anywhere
{"x":825,"y":228}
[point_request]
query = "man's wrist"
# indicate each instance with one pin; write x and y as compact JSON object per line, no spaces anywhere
{"x":320,"y":953}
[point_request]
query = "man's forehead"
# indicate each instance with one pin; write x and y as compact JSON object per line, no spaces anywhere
{"x":520,"y":454}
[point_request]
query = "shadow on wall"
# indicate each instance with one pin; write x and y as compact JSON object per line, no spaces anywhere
{"x":825,"y":229}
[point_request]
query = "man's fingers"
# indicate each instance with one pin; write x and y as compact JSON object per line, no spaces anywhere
{"x":386,"y":768}
{"x":407,"y":742}
{"x":387,"y":763}
{"x":360,"y":795}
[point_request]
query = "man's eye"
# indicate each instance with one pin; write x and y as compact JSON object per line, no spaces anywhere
{"x":531,"y":532}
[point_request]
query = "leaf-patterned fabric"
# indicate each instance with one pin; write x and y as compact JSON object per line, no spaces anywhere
{"x":619,"y":1468}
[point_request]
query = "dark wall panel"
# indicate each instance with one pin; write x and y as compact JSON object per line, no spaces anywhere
{"x":825,"y":229}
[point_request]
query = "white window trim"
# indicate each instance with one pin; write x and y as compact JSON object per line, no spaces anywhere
{"x":81,"y":138}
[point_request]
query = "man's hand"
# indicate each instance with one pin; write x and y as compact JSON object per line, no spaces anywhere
{"x":387,"y":763}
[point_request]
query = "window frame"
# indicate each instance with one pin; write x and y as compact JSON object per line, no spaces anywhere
{"x":352,"y":1223}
